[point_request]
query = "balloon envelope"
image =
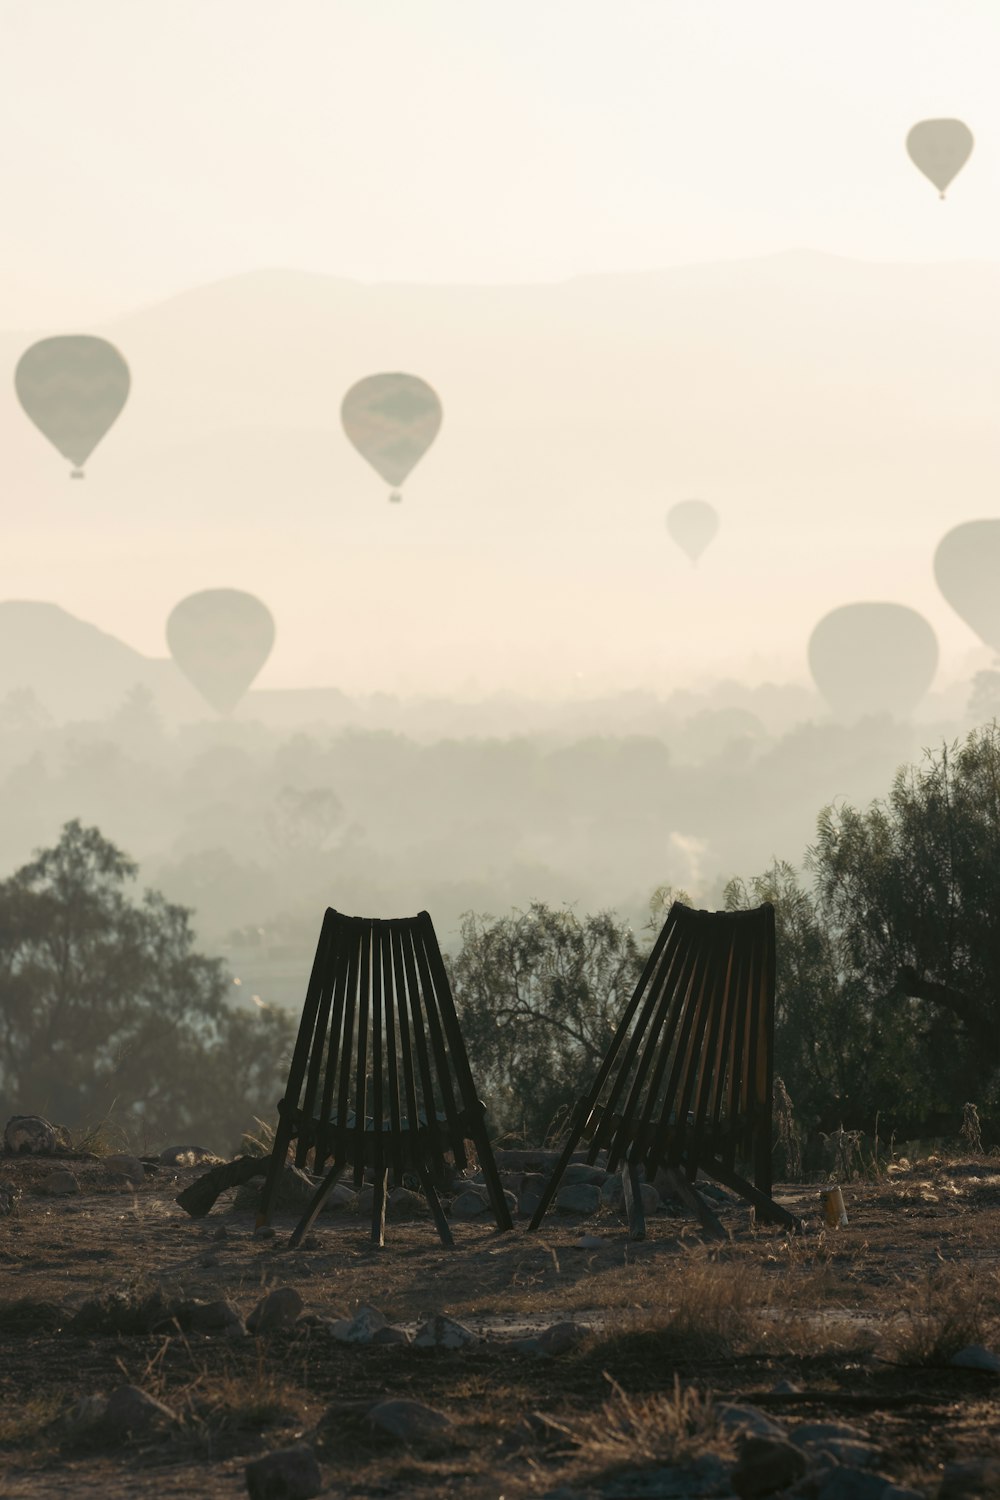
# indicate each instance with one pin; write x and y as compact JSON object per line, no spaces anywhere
{"x":692,"y":524}
{"x":72,"y":388}
{"x":967,"y":570}
{"x":392,"y":421}
{"x":220,"y":639}
{"x":940,"y":148}
{"x":873,"y":659}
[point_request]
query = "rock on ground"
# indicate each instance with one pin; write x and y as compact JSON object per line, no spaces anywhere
{"x":131,"y":1411}
{"x":286,"y":1474}
{"x":119,"y":1164}
{"x":975,"y":1357}
{"x":580,"y":1171}
{"x":33,"y":1135}
{"x":579,"y":1198}
{"x":444,"y":1333}
{"x":279,"y":1309}
{"x":408,"y":1420}
{"x":561,"y":1337}
{"x":852,"y":1484}
{"x":60,"y":1184}
{"x":470,"y":1204}
{"x":748,"y":1419}
{"x":361,"y":1329}
{"x":767,"y":1464}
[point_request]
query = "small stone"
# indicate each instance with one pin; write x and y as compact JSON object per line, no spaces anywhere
{"x":364,"y":1199}
{"x":188,"y":1156}
{"x":809,"y":1434}
{"x":612,"y":1192}
{"x":279,"y":1309}
{"x":60,"y":1184}
{"x":469,"y":1204}
{"x":748,"y":1419}
{"x":391,"y":1335}
{"x":286,"y":1474}
{"x":361,"y":1329}
{"x":529,"y":1193}
{"x":581,"y":1171}
{"x":402,"y":1203}
{"x":33,"y":1135}
{"x":579,"y":1198}
{"x":219,"y":1316}
{"x":976,"y":1479}
{"x":976,"y":1357}
{"x":444,"y":1333}
{"x":207,"y":1262}
{"x":852,"y":1484}
{"x":847,"y":1451}
{"x":131,"y":1411}
{"x":561,"y":1337}
{"x":264,"y":1232}
{"x":122,"y":1165}
{"x":651,"y":1200}
{"x":766,"y":1464}
{"x":408,"y":1420}
{"x":222,"y":1233}
{"x":341,"y":1196}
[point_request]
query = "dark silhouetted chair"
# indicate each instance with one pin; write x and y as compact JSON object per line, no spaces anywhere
{"x":687,"y":1081}
{"x":379,"y":1077}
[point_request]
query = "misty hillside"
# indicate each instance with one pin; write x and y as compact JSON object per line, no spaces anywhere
{"x":840,"y":415}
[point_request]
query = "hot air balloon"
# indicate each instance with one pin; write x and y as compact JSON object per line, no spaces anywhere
{"x":692,"y":524}
{"x":392,"y":421}
{"x":967,"y":569}
{"x":873,"y":659}
{"x":72,"y":388}
{"x":220,"y":639}
{"x":940,"y":148}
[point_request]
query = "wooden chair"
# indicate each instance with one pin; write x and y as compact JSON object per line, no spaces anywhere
{"x":379,"y":1076}
{"x":687,"y":1081}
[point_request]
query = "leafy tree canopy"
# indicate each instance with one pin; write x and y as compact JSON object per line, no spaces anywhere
{"x":107,"y":1009}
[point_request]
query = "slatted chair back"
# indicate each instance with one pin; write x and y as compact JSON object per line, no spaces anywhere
{"x":687,"y":1081}
{"x":379,"y":1077}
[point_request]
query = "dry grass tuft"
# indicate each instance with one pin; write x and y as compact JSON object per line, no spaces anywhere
{"x":954,"y":1307}
{"x":31,"y":1424}
{"x":648,"y":1430}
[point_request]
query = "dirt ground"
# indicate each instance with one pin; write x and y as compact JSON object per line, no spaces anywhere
{"x":853,"y":1325}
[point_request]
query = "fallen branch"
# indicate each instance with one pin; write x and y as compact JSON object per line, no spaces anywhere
{"x":199,"y":1199}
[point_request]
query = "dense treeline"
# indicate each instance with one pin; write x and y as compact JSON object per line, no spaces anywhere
{"x":888,"y":980}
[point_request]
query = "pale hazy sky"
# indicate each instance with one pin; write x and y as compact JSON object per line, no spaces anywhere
{"x":155,"y":144}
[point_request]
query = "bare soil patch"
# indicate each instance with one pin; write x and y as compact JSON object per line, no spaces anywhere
{"x":861,"y":1321}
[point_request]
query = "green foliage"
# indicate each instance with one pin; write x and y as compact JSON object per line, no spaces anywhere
{"x":539,"y":995}
{"x":106,"y":1009}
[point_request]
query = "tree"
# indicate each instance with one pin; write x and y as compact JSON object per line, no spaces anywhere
{"x":540,"y":994}
{"x":840,"y":1056}
{"x":911,"y":887}
{"x":106,"y":1007}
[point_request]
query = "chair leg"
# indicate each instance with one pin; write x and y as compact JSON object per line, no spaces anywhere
{"x":633,"y":1201}
{"x":441,"y":1223}
{"x":766,"y":1207}
{"x":694,"y":1203}
{"x":282,"y":1140}
{"x":378,"y":1207}
{"x":316,"y":1202}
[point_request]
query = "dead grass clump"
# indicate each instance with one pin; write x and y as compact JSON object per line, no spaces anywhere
{"x":240,"y":1403}
{"x":26,"y":1316}
{"x":716,"y":1309}
{"x":27,"y":1426}
{"x":951,"y":1309}
{"x":641,"y":1431}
